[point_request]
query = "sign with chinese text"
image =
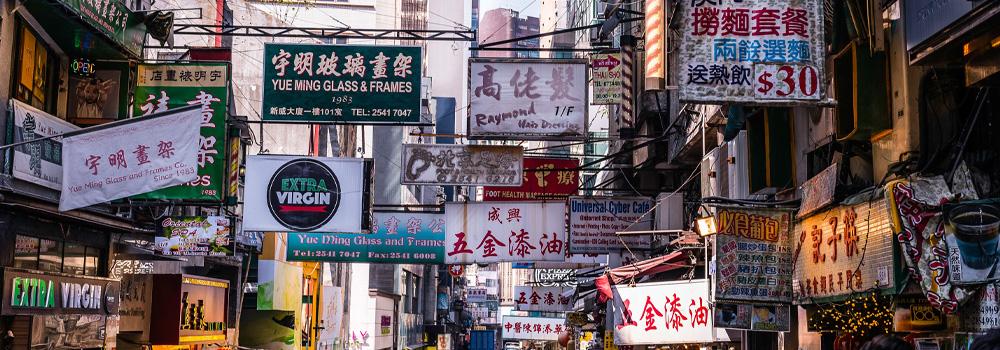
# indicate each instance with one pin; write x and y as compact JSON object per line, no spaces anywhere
{"x":594,"y":223}
{"x":203,"y":84}
{"x":474,"y":165}
{"x":38,"y":162}
{"x":196,"y":235}
{"x":753,"y":254}
{"x":663,"y":313}
{"x":544,"y":178}
{"x":362,"y":84}
{"x":129,"y":158}
{"x":549,"y":299}
{"x":396,"y":238}
{"x":475,"y":294}
{"x":606,"y":78}
{"x":525,"y":99}
{"x":752,"y":51}
{"x":505,"y":232}
{"x":554,"y":277}
{"x":114,"y":20}
{"x":30,"y":293}
{"x":830,"y":246}
{"x":290,"y":193}
{"x":531,"y":328}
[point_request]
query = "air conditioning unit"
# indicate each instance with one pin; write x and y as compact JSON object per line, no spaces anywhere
{"x":738,"y":167}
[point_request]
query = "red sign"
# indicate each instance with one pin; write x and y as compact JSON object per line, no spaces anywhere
{"x":543,"y":178}
{"x":456,"y":270}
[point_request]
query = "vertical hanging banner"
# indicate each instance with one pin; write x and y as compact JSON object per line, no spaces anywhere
{"x":549,"y":299}
{"x":527,"y":99}
{"x":505,"y":232}
{"x":360,"y":84}
{"x":655,"y":26}
{"x":752,"y":51}
{"x":544,"y":178}
{"x":594,"y":224}
{"x":531,"y":328}
{"x":203,"y":84}
{"x":129,"y":157}
{"x":38,"y":162}
{"x":753,"y":254}
{"x":606,"y":78}
{"x":663,"y":313}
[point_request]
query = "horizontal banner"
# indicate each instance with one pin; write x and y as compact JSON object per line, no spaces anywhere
{"x":396,"y":238}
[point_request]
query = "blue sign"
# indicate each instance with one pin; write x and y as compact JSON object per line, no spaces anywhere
{"x":396,"y":238}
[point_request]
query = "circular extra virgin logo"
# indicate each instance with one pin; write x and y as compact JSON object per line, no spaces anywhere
{"x":303,"y":194}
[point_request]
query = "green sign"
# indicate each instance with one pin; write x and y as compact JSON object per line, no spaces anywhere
{"x":341,"y":84}
{"x":396,"y":238}
{"x":113,"y":19}
{"x":164,"y":86}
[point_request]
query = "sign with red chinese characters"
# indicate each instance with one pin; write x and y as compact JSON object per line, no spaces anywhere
{"x":544,"y":178}
{"x":842,"y":250}
{"x":479,"y":233}
{"x":527,"y":99}
{"x":550,"y":299}
{"x":594,"y":223}
{"x":753,"y":254}
{"x":663,"y":313}
{"x":531,"y":328}
{"x":752,"y":51}
{"x":128,"y":158}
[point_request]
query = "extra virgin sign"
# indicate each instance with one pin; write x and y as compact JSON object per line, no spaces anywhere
{"x":287,"y":193}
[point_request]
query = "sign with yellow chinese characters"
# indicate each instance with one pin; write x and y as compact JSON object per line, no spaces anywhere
{"x":753,"y":254}
{"x":544,"y":178}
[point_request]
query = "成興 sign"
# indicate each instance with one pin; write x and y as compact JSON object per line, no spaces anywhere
{"x":544,"y":178}
{"x":752,"y":51}
{"x":595,"y":222}
{"x":290,"y":193}
{"x":527,"y":99}
{"x":663,"y":313}
{"x":753,"y":254}
{"x":396,"y":238}
{"x":129,"y":158}
{"x":505,"y":232}
{"x":431,"y":164}
{"x":203,"y":84}
{"x":362,"y":84}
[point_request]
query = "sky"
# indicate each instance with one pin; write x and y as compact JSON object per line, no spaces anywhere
{"x":531,"y":6}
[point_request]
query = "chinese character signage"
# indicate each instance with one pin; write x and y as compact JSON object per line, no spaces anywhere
{"x":843,"y":250}
{"x":475,"y":294}
{"x":431,"y":164}
{"x":114,"y":20}
{"x":204,"y":84}
{"x":290,"y":193}
{"x":538,"y":298}
{"x":531,"y":328}
{"x":505,"y":232}
{"x":595,"y":222}
{"x":544,"y":178}
{"x":527,"y":99}
{"x":362,"y":84}
{"x":753,"y":254}
{"x":196,"y":235}
{"x":752,"y":51}
{"x":982,"y":313}
{"x":606,"y":78}
{"x":129,"y":158}
{"x":663,"y":313}
{"x":27,"y":293}
{"x":38,"y":162}
{"x":396,"y":238}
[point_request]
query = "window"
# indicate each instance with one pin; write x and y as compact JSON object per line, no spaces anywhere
{"x":74,"y":257}
{"x":91,"y":261}
{"x":34,"y":78}
{"x":415,"y":296}
{"x":48,"y":255}
{"x":26,"y":252}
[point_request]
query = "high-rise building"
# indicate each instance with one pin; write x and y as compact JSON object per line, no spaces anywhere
{"x":502,"y":24}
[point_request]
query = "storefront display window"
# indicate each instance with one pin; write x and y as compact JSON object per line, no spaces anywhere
{"x":34,"y":76}
{"x":26,"y":252}
{"x":48,"y":255}
{"x":73,"y":261}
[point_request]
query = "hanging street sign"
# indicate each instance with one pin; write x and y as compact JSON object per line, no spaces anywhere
{"x":544,"y":178}
{"x":473,"y":165}
{"x":343,"y":84}
{"x":488,"y":232}
{"x":396,"y":238}
{"x":606,"y":78}
{"x":753,"y":254}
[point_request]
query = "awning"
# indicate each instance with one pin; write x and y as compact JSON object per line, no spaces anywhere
{"x":96,"y":29}
{"x":672,"y":261}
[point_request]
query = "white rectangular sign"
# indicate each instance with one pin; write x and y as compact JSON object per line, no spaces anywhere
{"x":531,"y":328}
{"x":303,"y":194}
{"x":663,"y":313}
{"x":594,"y":223}
{"x":475,"y":294}
{"x":527,"y":99}
{"x":757,"y":51}
{"x":38,"y":162}
{"x":473,"y":165}
{"x":551,"y":299}
{"x":504,"y":232}
{"x":130,"y":158}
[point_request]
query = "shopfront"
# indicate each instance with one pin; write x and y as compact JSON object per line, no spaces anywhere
{"x":176,"y":311}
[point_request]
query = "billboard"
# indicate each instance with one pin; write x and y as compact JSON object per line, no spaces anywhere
{"x":594,"y":223}
{"x":663,"y":313}
{"x":195,"y":235}
{"x":360,"y":84}
{"x":544,"y":178}
{"x":474,"y":165}
{"x":524,"y":99}
{"x":753,"y":254}
{"x":531,"y":328}
{"x":504,"y":232}
{"x":396,"y":238}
